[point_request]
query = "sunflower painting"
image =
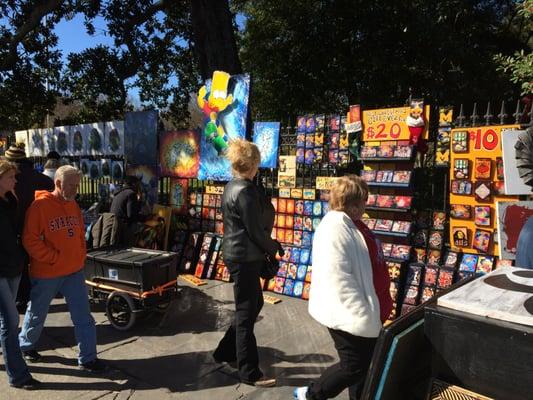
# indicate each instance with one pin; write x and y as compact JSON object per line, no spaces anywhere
{"x":179,"y":154}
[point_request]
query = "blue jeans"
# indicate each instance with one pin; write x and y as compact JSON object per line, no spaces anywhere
{"x":75,"y":292}
{"x":16,"y":368}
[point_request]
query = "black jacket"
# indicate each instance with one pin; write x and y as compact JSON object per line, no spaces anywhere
{"x":247,"y":215}
{"x":28,"y":181}
{"x":126,"y":206}
{"x":11,"y":251}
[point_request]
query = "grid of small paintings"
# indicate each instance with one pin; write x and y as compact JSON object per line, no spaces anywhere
{"x":294,"y":274}
{"x":205,"y":211}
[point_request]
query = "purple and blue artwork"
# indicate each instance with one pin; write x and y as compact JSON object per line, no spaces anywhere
{"x":266,"y":137}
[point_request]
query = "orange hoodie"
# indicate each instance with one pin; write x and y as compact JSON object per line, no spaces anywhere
{"x":54,"y":236}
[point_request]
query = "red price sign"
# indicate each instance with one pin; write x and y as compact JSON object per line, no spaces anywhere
{"x":484,"y":138}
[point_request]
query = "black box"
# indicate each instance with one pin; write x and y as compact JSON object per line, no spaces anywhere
{"x":489,"y":356}
{"x":139,"y":268}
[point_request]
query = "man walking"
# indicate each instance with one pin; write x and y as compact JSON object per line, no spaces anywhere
{"x":55,"y":241}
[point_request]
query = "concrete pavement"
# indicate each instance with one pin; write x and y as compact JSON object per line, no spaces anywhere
{"x":168,"y":355}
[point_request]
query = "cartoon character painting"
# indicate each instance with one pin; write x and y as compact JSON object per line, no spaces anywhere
{"x":211,"y":103}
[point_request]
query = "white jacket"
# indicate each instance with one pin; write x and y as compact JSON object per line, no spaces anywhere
{"x":342,"y":292}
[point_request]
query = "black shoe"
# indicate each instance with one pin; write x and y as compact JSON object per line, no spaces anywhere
{"x":95,"y":366}
{"x":30,"y":384}
{"x":32,"y":356}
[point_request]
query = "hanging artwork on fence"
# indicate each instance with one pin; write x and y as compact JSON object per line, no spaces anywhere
{"x":36,"y":146}
{"x":85,"y":167}
{"x":106,"y":167}
{"x":22,"y":137}
{"x":517,"y":148}
{"x":140,"y":137}
{"x":95,"y":169}
{"x":178,"y":195}
{"x":511,"y":218}
{"x":114,"y":138}
{"x":76,"y":142}
{"x":223,"y":101}
{"x":149,"y":181}
{"x":93,"y":135}
{"x":117,"y":170}
{"x":61,"y":135}
{"x":266,"y":137}
{"x":179,"y":153}
{"x":49,"y":140}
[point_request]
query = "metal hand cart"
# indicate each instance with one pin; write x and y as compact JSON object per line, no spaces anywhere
{"x":131,"y":281}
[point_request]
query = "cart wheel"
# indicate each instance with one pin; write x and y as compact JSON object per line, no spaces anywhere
{"x":119,"y":310}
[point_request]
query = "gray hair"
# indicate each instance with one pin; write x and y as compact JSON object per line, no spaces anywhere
{"x":66,"y":170}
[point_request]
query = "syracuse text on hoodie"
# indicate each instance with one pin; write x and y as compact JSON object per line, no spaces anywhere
{"x":54,"y":236}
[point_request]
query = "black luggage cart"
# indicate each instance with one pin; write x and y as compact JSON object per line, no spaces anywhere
{"x":131,"y":281}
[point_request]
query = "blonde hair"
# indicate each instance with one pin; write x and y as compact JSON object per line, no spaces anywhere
{"x":348,"y":193}
{"x":66,"y":170}
{"x":6,"y":166}
{"x":243,"y":155}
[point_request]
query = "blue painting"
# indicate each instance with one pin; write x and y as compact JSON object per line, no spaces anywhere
{"x":223,"y":101}
{"x":266,"y":137}
{"x":140,"y":137}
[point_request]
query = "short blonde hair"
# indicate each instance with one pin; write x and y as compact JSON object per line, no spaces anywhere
{"x":243,"y":155}
{"x":66,"y":170}
{"x":6,"y":166}
{"x":348,"y":193}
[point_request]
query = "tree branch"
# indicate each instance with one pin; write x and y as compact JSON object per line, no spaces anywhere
{"x":34,"y":19}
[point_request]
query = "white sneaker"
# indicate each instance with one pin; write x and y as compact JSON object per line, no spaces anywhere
{"x":300,"y":393}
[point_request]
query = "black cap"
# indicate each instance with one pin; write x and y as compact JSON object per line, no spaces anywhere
{"x":54,"y":155}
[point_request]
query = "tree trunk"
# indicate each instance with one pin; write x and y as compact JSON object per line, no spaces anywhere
{"x":214,"y":39}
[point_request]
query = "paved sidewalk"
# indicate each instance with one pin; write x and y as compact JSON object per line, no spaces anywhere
{"x":168,"y":356}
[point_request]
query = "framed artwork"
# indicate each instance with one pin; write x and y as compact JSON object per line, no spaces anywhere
{"x":468,"y":263}
{"x":436,"y":239}
{"x":430,"y":276}
{"x":394,"y":269}
{"x":420,"y":255}
{"x":461,"y":187}
{"x":385,"y":201}
{"x":483,"y":191}
{"x":482,"y":240}
{"x":482,"y":168}
{"x":517,"y":170}
{"x":61,"y":137}
{"x":414,"y":274}
{"x":451,"y":258}
{"x":445,"y":278}
{"x":401,"y":177}
{"x":434,"y":257}
{"x":403,"y":151}
{"x":461,"y":211}
{"x":482,"y":215}
{"x":384,"y":225}
{"x":368,"y":175}
{"x":403,"y":202}
{"x":400,"y":251}
{"x":114,"y":138}
{"x":387,"y":249}
{"x":460,"y":142}
{"x":460,"y":236}
{"x":371,"y":201}
{"x":485,"y":264}
{"x":461,"y":168}
{"x":439,"y":219}
{"x":386,"y":151}
{"x":401,"y":227}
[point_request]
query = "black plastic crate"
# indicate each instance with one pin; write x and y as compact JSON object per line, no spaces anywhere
{"x":138,"y":268}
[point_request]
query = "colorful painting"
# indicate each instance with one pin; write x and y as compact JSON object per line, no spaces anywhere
{"x":179,"y":153}
{"x":266,"y":137}
{"x":149,"y":181}
{"x":61,"y":137}
{"x":114,"y":138}
{"x":76,"y":145}
{"x":511,"y":218}
{"x":223,"y":101}
{"x":178,"y":195}
{"x":140,"y":137}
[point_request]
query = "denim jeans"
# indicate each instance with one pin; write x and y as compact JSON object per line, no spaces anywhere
{"x":16,"y":368}
{"x":73,"y":288}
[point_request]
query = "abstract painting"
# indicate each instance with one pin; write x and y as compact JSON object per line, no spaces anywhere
{"x":61,"y":136}
{"x":179,"y":154}
{"x":223,"y":101}
{"x":140,"y":137}
{"x":512,"y":215}
{"x":114,"y":138}
{"x":266,"y":137}
{"x":149,"y":181}
{"x":178,"y":195}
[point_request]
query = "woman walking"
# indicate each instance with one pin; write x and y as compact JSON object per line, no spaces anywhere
{"x":11,"y":266}
{"x":246,"y":242}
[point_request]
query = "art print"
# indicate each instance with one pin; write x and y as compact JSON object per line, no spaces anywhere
{"x":369,"y":151}
{"x":499,"y":168}
{"x":434,"y":257}
{"x":461,"y":187}
{"x":482,"y":215}
{"x":149,"y":182}
{"x":266,"y":137}
{"x":394,"y":269}
{"x":403,"y":152}
{"x":461,"y":168}
{"x":334,"y":123}
{"x":310,"y":126}
{"x":384,"y":225}
{"x":483,"y":191}
{"x":384,"y":201}
{"x":400,"y":251}
{"x":223,"y":101}
{"x":369,"y":222}
{"x":436,"y":239}
{"x":403,"y":202}
{"x":35,"y":143}
{"x":371,"y":201}
{"x":403,"y":177}
{"x":114,"y":138}
{"x":460,"y":236}
{"x":485,"y":264}
{"x":401,"y":227}
{"x":439,"y":219}
{"x":420,"y":255}
{"x":61,"y":138}
{"x":368,"y":175}
{"x":411,"y":295}
{"x":469,"y":263}
{"x":386,"y":248}
{"x":414,"y":274}
{"x":430,"y":276}
{"x":445,"y":279}
{"x":482,"y":168}
{"x":511,"y":218}
{"x":179,"y":153}
{"x":451,"y":258}
{"x":386,"y":151}
{"x":482,"y":240}
{"x":461,"y":211}
{"x":300,"y":123}
{"x":317,"y":208}
{"x":460,"y":141}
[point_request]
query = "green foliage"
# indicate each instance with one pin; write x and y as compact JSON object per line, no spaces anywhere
{"x":519,"y":66}
{"x":321,"y":55}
